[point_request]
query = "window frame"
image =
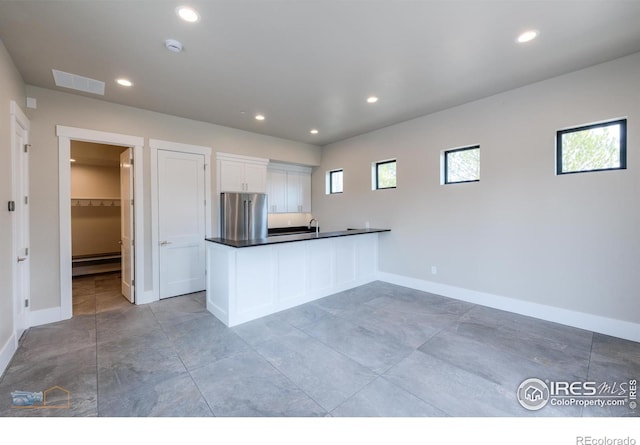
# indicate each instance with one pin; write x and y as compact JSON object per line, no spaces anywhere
{"x":445,"y":164}
{"x":376,"y":166}
{"x":330,"y":182}
{"x":622,"y":149}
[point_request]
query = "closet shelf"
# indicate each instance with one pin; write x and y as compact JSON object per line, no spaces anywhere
{"x":95,"y":202}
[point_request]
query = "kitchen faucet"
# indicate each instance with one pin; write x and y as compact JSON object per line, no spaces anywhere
{"x":317,"y":225}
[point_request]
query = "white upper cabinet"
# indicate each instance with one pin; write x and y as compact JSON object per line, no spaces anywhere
{"x":298,"y":192}
{"x":255,"y":177}
{"x":241,"y":173}
{"x":277,"y":190}
{"x":289,"y":188}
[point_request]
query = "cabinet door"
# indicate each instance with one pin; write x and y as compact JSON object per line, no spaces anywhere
{"x":305,"y":192}
{"x":255,"y":178}
{"x":293,"y":193}
{"x":298,"y":192}
{"x":277,"y":190}
{"x":231,"y":176}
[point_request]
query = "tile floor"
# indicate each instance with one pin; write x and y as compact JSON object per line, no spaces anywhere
{"x":377,"y":350}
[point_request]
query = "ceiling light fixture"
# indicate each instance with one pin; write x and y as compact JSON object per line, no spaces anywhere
{"x":372,"y":99}
{"x":124,"y":82}
{"x":187,"y":14}
{"x":259,"y":117}
{"x":314,"y":131}
{"x":527,"y":36}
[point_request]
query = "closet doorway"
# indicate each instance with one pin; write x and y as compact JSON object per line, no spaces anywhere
{"x":101,"y":217}
{"x":67,"y":135}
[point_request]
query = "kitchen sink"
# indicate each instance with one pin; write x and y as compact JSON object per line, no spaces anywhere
{"x":298,"y":230}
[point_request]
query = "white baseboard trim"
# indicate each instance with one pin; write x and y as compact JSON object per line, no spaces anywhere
{"x":596,"y":323}
{"x":44,"y":316}
{"x":6,"y":353}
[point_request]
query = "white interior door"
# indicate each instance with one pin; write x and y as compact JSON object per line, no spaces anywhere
{"x":20,"y":183}
{"x":181,"y":222}
{"x":126,"y":224}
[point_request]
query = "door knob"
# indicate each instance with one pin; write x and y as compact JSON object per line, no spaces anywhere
{"x":21,"y":259}
{"x":164,"y":243}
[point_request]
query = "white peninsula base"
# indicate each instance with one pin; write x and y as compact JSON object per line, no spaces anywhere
{"x":245,"y":283}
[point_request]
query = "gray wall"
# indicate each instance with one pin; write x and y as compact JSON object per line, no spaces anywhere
{"x":11,"y":88}
{"x":56,"y":108}
{"x":522,"y":232}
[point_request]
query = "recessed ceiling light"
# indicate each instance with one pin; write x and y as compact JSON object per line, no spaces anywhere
{"x":187,"y":14}
{"x":124,"y":82}
{"x":527,"y":36}
{"x":259,"y":117}
{"x":372,"y":99}
{"x":314,"y":131}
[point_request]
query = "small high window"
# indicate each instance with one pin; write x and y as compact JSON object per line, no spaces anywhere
{"x":591,"y":148}
{"x":384,"y":175}
{"x":334,"y":181}
{"x":461,"y":165}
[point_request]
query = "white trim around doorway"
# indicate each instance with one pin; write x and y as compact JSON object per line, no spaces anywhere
{"x":65,"y":136}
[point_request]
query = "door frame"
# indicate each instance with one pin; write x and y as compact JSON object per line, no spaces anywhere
{"x":18,"y":180}
{"x":65,"y":136}
{"x":155,"y":145}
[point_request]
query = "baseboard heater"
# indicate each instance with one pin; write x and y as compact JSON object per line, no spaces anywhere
{"x":95,"y":263}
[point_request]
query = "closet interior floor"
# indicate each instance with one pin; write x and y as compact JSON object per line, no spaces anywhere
{"x":93,"y":294}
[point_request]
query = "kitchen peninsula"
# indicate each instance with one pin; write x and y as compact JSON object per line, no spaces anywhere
{"x":249,"y":279}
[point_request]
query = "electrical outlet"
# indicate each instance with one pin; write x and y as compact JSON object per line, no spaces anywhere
{"x":434,"y":270}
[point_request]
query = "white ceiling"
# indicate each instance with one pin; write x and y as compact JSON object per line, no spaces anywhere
{"x":312,"y":64}
{"x":89,"y":153}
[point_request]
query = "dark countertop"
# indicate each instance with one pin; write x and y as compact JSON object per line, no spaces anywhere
{"x":292,"y":238}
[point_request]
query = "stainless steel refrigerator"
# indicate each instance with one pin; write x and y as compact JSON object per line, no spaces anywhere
{"x":243,"y":216}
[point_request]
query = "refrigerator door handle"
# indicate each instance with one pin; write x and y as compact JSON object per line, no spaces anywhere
{"x":249,"y":221}
{"x":246,"y":219}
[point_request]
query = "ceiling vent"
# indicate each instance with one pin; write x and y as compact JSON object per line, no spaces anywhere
{"x":173,"y":45}
{"x":80,"y":83}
